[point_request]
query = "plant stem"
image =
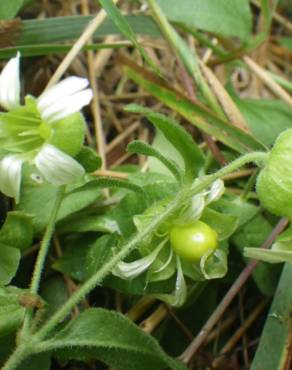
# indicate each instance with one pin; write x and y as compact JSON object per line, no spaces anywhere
{"x":16,"y":358}
{"x":41,"y":258}
{"x":231,"y":167}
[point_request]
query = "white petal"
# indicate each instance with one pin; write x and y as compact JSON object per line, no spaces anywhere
{"x":166,"y":263}
{"x":58,"y":167}
{"x":64,"y":107}
{"x":130,"y":270}
{"x":213,"y":264}
{"x":10,"y":84}
{"x":61,"y":90}
{"x":180,"y":293}
{"x":194,"y":210}
{"x":10,"y":176}
{"x":216,"y":191}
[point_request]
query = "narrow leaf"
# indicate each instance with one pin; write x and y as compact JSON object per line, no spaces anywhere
{"x":124,"y":26}
{"x":178,"y":137}
{"x":274,"y":349}
{"x":196,"y":114}
{"x":140,"y":147}
{"x":111,"y":338}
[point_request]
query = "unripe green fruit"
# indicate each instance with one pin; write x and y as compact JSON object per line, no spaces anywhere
{"x":192,"y":241}
{"x":274,"y":183}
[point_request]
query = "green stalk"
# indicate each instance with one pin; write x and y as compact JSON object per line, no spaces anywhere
{"x":41,"y":259}
{"x":189,"y":59}
{"x":256,"y":157}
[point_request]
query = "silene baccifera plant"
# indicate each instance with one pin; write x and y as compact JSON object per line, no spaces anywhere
{"x":180,"y":237}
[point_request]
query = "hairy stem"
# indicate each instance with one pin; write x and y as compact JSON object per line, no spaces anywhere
{"x":256,"y":157}
{"x":41,"y":259}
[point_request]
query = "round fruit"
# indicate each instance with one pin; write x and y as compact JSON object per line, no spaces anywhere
{"x":274,"y":183}
{"x":192,"y":241}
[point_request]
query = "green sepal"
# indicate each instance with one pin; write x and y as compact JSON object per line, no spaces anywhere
{"x":68,"y":134}
{"x":89,"y":159}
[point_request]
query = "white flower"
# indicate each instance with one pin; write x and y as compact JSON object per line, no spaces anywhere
{"x":25,"y":130}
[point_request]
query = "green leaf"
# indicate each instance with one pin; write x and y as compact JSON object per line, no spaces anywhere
{"x":196,"y":114}
{"x":55,"y":293}
{"x":224,"y":224}
{"x":37,"y":199}
{"x":281,"y":250}
{"x":270,"y":256}
{"x":168,"y":151}
{"x":82,"y":257}
{"x":177,"y":136}
{"x":17,"y":230}
{"x":111,"y":338}
{"x":273,"y":351}
{"x":9,"y":261}
{"x":124,"y":26}
{"x":219,"y":17}
{"x":16,"y":235}
{"x":87,"y":220}
{"x":89,"y":159}
{"x":235,"y":206}
{"x":266,"y":118}
{"x":81,"y":197}
{"x":7,"y":345}
{"x":253,"y":234}
{"x":11,"y":311}
{"x":36,"y":362}
{"x":8,"y":9}
{"x":143,"y":148}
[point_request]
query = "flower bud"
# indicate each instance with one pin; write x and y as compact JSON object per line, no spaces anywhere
{"x":274,"y":184}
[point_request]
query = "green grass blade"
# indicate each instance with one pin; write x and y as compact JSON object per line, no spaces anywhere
{"x":59,"y":29}
{"x":46,"y":49}
{"x":196,"y":114}
{"x":274,"y":348}
{"x":124,"y":26}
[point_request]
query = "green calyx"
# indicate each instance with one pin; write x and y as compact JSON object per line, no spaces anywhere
{"x":274,"y":184}
{"x":68,"y":134}
{"x":22,"y":130}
